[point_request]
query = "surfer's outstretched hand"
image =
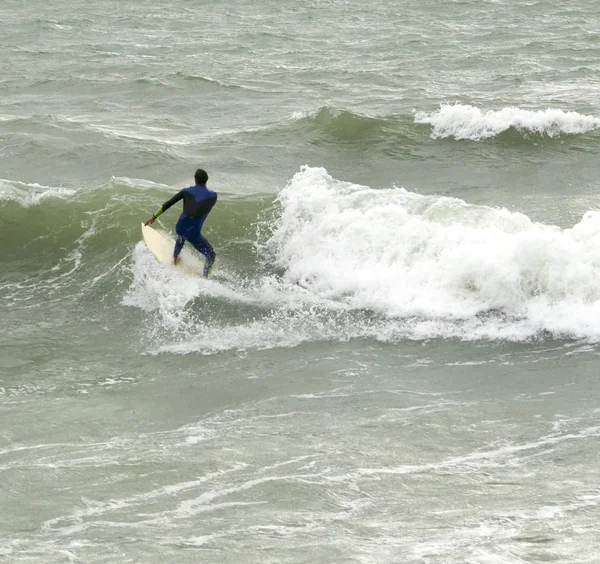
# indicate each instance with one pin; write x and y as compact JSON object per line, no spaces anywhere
{"x":150,"y":221}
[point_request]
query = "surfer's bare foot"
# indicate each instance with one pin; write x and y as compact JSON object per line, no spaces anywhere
{"x":176,"y":260}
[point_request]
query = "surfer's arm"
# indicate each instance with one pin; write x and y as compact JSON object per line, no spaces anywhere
{"x":165,"y":207}
{"x":168,"y":204}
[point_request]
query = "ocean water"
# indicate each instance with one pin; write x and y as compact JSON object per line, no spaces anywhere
{"x":397,"y":358}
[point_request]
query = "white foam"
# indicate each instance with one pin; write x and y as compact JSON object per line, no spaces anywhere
{"x":34,"y":194}
{"x":138,"y":184}
{"x":469,"y":122}
{"x":437,"y":259}
{"x":31,"y":194}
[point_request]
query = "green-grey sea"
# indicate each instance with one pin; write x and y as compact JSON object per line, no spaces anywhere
{"x":396,"y":359}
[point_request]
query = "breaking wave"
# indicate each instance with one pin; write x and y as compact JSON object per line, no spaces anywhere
{"x":461,"y":121}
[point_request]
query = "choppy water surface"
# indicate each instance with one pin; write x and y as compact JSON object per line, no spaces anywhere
{"x":396,"y":359}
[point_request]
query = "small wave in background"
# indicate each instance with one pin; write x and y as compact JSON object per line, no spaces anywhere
{"x":469,"y":122}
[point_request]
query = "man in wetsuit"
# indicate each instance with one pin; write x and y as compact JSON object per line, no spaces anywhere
{"x":198,"y":200}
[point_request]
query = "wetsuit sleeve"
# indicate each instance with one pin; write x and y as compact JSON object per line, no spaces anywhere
{"x":168,"y":203}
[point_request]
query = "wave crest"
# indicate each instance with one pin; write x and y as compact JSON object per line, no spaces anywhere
{"x":469,"y":122}
{"x":343,"y":126}
{"x":31,"y":194}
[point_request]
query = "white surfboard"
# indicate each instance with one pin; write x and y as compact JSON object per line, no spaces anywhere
{"x":162,"y":245}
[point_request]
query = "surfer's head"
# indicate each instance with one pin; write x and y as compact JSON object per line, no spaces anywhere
{"x":201,"y":177}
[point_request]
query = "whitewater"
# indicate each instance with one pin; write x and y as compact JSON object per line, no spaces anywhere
{"x":468,"y":122}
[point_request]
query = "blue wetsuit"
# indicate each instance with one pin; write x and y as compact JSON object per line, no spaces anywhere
{"x":197,"y":202}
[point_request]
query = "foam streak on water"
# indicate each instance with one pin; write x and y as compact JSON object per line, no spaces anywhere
{"x":177,"y":489}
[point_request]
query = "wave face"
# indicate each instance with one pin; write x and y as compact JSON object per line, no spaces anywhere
{"x":469,"y":122}
{"x":327,"y":260}
{"x":346,"y":127}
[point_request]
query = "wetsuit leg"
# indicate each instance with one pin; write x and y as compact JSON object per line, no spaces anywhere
{"x":188,"y":229}
{"x":183,"y":228}
{"x":204,"y":247}
{"x":178,"y":245}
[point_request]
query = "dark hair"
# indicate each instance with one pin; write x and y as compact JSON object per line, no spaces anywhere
{"x":201,"y":177}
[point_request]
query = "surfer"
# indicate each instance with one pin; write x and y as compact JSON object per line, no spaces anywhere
{"x":198,"y":200}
